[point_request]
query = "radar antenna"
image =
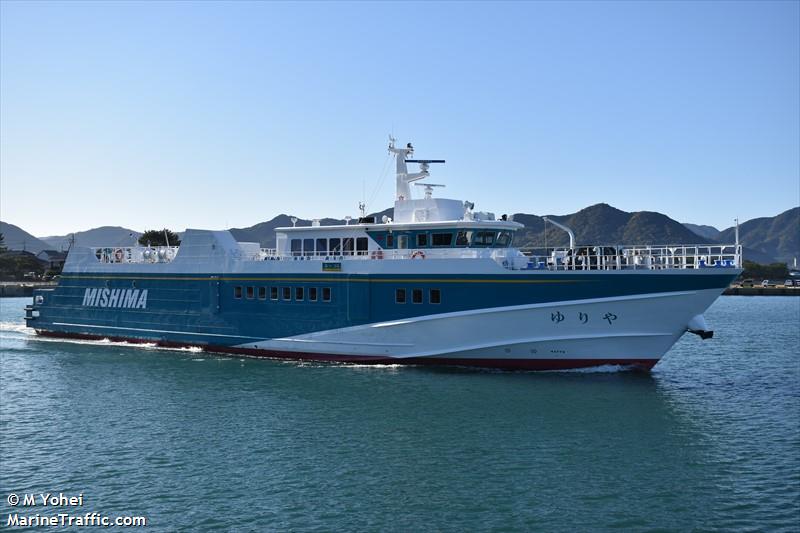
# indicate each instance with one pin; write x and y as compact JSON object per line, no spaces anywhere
{"x":403,"y":176}
{"x":428,"y":188}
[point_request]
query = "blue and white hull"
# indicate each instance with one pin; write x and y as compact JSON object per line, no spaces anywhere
{"x":441,"y":284}
{"x":566,"y":334}
{"x":485,"y":316}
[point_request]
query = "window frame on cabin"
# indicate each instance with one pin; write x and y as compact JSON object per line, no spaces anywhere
{"x":296,"y":247}
{"x":262,"y":293}
{"x":438,"y":299}
{"x":237,"y":292}
{"x":329,"y":292}
{"x":400,"y":296}
{"x":414,"y":294}
{"x":308,"y":247}
{"x":448,"y":244}
{"x":483,"y":235}
{"x":362,"y":245}
{"x":463,"y":238}
{"x":322,"y":247}
{"x":503,"y":234}
{"x":286,"y":294}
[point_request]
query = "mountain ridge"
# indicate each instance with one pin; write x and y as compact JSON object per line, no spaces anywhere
{"x":16,"y":238}
{"x":100,"y":236}
{"x":765,"y":239}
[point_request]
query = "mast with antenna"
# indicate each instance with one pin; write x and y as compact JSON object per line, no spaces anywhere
{"x":403,"y":192}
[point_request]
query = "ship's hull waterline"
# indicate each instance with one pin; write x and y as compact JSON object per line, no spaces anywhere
{"x":629,"y":330}
{"x":498,"y":364}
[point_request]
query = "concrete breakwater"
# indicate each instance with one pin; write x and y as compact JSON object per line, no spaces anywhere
{"x":15,"y":289}
{"x":762,"y":291}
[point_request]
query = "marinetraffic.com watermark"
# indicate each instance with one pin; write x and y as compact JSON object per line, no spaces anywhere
{"x":60,"y":510}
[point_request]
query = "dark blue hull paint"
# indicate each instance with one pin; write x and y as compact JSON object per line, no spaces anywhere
{"x":203,"y":309}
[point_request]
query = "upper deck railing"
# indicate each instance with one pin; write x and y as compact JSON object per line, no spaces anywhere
{"x":659,"y":257}
{"x":136,"y":254}
{"x":580,"y":258}
{"x":639,"y":257}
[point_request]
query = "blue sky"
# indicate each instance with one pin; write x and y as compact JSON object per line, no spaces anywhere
{"x":215,"y":115}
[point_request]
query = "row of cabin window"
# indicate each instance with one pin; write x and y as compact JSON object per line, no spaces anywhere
{"x":434,"y":296}
{"x":335,"y":246}
{"x":500,"y":239}
{"x":285,"y":293}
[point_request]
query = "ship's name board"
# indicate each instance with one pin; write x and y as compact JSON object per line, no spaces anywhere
{"x":124,"y":298}
{"x":331,"y":267}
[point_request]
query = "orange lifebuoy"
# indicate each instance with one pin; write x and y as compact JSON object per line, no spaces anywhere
{"x":377,"y":254}
{"x":418,"y":253}
{"x":118,"y":255}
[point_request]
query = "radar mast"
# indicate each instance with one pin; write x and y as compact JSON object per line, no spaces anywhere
{"x":404,"y":178}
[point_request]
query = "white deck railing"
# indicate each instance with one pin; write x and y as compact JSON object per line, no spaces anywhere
{"x":579,"y":258}
{"x":136,"y":254}
{"x":650,"y":257}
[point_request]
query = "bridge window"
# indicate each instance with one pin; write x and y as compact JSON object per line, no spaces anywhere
{"x":442,"y":239}
{"x":435,"y":296}
{"x":308,"y":247}
{"x":362,"y":245}
{"x":296,"y":246}
{"x":336,"y":246}
{"x":287,"y":293}
{"x":322,"y":246}
{"x":503,"y":239}
{"x":251,"y":293}
{"x":237,"y":292}
{"x":400,"y":296}
{"x":463,"y":238}
{"x":262,"y":293}
{"x":402,"y":242}
{"x":483,"y":238}
{"x":390,"y":241}
{"x":273,"y":293}
{"x":299,"y":294}
{"x":416,"y":296}
{"x":422,"y":240}
{"x":312,"y":294}
{"x":326,"y":294}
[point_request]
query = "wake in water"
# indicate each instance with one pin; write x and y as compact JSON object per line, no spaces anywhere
{"x":16,"y":327}
{"x":602,"y":369}
{"x":30,"y":334}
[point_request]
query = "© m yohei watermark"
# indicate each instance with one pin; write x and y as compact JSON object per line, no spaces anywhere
{"x":61,"y":510}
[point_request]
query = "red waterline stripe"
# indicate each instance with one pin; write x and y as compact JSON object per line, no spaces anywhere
{"x":503,"y":364}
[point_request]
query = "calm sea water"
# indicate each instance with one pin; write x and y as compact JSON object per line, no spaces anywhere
{"x":710,"y":440}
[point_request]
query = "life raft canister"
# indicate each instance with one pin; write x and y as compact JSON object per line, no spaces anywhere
{"x":377,"y":254}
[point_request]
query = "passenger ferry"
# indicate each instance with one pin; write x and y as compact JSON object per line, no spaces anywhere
{"x":438,"y":283}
